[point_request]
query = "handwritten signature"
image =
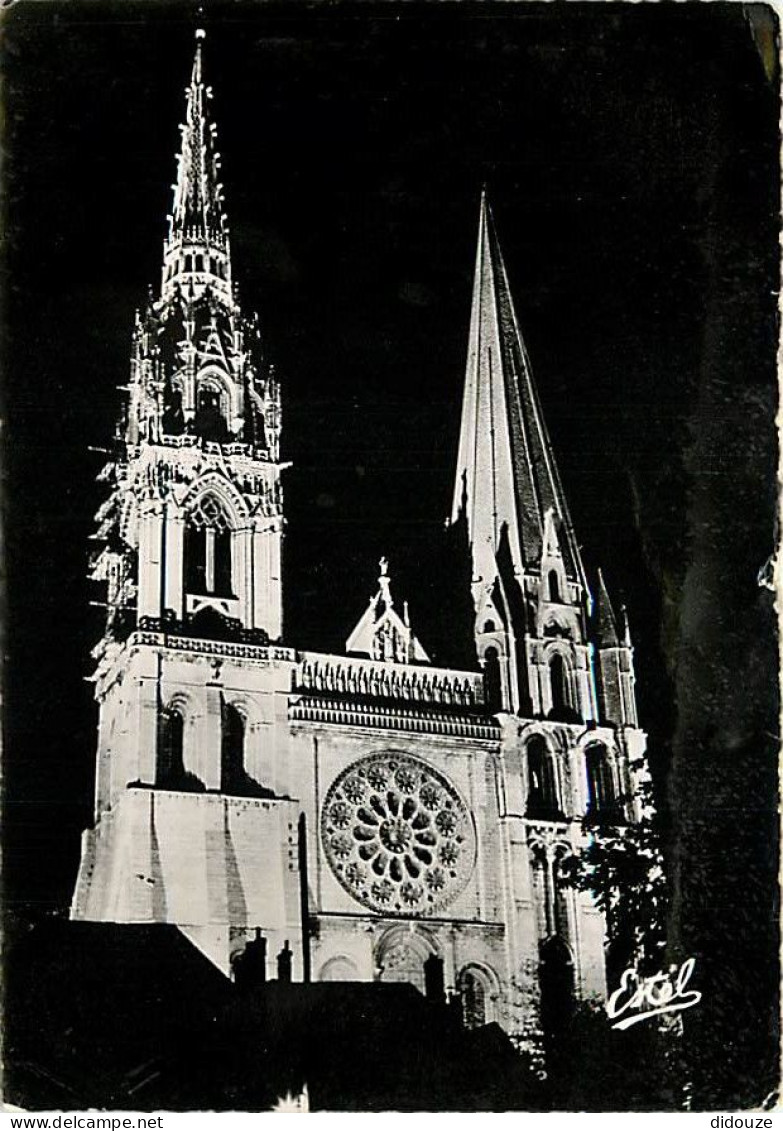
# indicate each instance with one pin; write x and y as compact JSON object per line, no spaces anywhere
{"x":641,"y":998}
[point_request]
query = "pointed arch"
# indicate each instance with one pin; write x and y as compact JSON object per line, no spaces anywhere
{"x":601,"y":799}
{"x":478,"y":989}
{"x":543,"y":799}
{"x":216,"y":404}
{"x":557,"y":985}
{"x":232,"y":763}
{"x":217,"y":483}
{"x":208,"y":547}
{"x":170,"y":769}
{"x":213,"y":510}
{"x":493,"y":681}
{"x":562,"y":685}
{"x":401,"y":953}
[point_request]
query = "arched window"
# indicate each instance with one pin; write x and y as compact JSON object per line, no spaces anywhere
{"x":209,"y":422}
{"x":208,"y":549}
{"x":542,"y":793}
{"x":554,"y":586}
{"x":232,"y":769}
{"x":171,"y":765}
{"x":173,"y":416}
{"x":600,"y":791}
{"x":558,"y":679}
{"x":489,"y":626}
{"x":474,"y":993}
{"x":492,"y":683}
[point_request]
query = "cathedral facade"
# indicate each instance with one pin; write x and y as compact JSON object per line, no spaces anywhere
{"x":369,"y":813}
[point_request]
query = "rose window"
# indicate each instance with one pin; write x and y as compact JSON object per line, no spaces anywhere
{"x":397,"y":835}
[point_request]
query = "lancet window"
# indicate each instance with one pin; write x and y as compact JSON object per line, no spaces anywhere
{"x":208,"y":549}
{"x":492,"y":681}
{"x":210,"y":421}
{"x":474,"y":993}
{"x":171,"y":729}
{"x":542,"y":792}
{"x":600,"y":788}
{"x":559,"y":683}
{"x":233,"y":752}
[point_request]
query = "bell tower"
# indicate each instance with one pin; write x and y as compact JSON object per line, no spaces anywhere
{"x":197,"y":491}
{"x":558,"y":672}
{"x":189,"y":549}
{"x":530,"y":594}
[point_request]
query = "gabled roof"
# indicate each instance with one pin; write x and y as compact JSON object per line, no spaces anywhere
{"x":382,"y":633}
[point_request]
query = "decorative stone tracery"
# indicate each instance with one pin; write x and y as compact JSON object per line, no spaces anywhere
{"x":397,"y":835}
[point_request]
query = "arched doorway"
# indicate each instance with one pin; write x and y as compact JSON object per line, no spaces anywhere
{"x":475,"y":990}
{"x":556,"y":979}
{"x":400,"y":956}
{"x":338,"y":969}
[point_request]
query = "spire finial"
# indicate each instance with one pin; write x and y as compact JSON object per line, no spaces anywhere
{"x":384,"y":582}
{"x":605,"y":623}
{"x":626,"y":627}
{"x":197,"y":247}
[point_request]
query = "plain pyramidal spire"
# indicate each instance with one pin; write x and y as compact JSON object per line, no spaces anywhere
{"x":605,"y":620}
{"x":507,"y":479}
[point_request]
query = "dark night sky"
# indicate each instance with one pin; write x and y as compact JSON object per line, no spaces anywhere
{"x":631,"y":157}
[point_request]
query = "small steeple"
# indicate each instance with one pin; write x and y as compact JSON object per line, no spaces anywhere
{"x":196,"y":253}
{"x":381,"y":633}
{"x":605,"y":623}
{"x":627,"y":643}
{"x":506,"y":478}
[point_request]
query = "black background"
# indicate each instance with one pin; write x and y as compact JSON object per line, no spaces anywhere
{"x":631,"y":157}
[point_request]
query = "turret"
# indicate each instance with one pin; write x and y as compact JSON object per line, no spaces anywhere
{"x":614,"y":667}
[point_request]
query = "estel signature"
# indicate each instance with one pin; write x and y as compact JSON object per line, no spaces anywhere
{"x":641,"y":998}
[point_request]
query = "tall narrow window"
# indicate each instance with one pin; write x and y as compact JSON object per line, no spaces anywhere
{"x":542,"y":792}
{"x":171,"y":766}
{"x":223,"y":563}
{"x":554,"y":586}
{"x":558,"y":677}
{"x":208,"y":549}
{"x":492,"y":682}
{"x":209,"y":422}
{"x":473,"y":992}
{"x":233,"y":760}
{"x":600,"y":791}
{"x":556,"y":974}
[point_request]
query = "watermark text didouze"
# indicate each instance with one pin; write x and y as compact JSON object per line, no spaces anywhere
{"x":640,"y":998}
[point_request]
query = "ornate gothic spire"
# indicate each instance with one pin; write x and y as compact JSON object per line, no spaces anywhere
{"x":196,"y":253}
{"x":506,"y":474}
